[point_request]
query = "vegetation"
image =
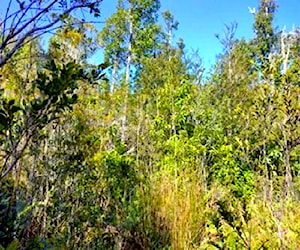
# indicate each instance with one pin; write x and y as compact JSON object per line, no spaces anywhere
{"x":142,"y":151}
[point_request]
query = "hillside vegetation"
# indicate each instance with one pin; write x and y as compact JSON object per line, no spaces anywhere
{"x":142,"y":151}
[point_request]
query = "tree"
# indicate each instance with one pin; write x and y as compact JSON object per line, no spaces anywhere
{"x":24,"y":21}
{"x":75,"y":41}
{"x":125,"y":43}
{"x":171,"y":25}
{"x":131,"y":40}
{"x":265,"y":40}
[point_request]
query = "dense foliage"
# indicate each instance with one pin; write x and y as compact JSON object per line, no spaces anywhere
{"x":142,"y":151}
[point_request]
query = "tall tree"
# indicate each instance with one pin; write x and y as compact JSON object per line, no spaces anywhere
{"x":131,"y":40}
{"x":265,"y":40}
{"x":130,"y":34}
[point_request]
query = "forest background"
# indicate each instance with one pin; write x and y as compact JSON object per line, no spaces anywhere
{"x":141,"y":151}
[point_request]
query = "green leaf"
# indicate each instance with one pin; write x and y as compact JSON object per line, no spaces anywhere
{"x":13,"y":245}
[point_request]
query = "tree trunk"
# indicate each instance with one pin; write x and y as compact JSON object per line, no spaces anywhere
{"x":288,"y":172}
{"x":127,"y":78}
{"x":114,"y":77}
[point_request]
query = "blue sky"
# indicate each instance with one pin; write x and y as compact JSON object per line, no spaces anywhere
{"x":200,"y":20}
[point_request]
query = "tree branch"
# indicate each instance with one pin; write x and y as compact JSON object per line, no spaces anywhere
{"x":35,"y":31}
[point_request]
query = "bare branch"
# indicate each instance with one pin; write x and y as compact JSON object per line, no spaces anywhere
{"x":14,"y":33}
{"x":18,"y":34}
{"x":6,"y":14}
{"x":16,"y":158}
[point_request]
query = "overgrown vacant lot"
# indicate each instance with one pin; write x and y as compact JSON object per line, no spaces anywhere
{"x":146,"y":150}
